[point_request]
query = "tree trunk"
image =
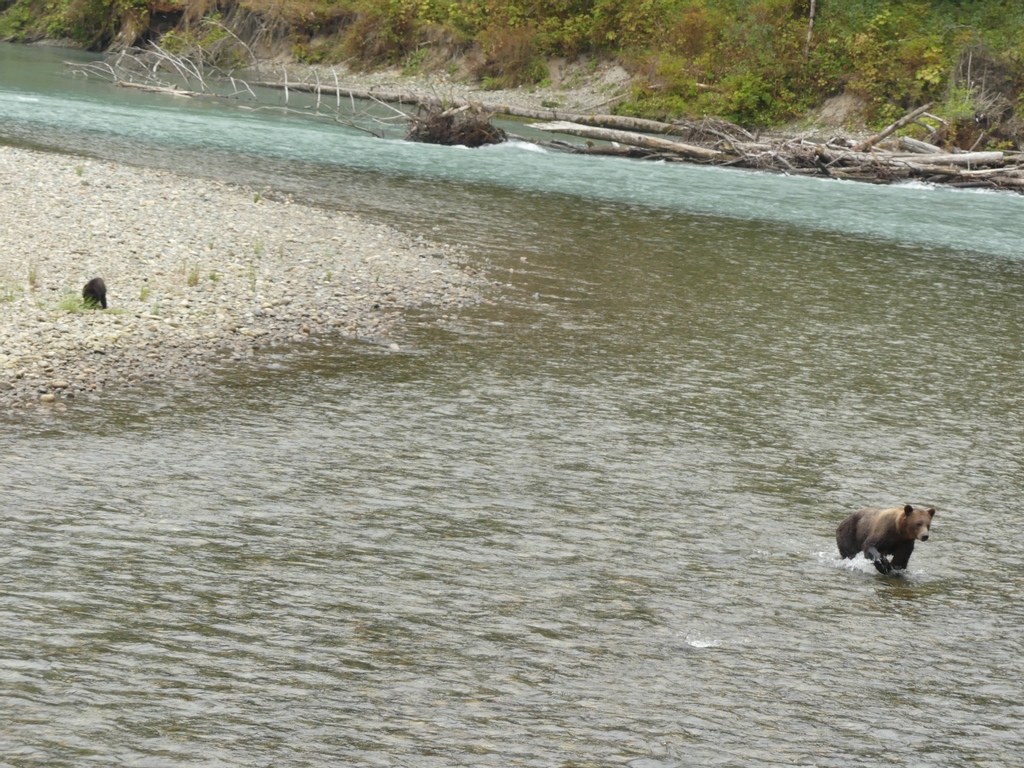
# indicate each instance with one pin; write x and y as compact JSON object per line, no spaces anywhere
{"x":633,"y":139}
{"x":964,"y":158}
{"x":905,"y":120}
{"x":810,"y":32}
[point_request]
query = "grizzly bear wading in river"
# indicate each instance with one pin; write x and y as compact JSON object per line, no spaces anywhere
{"x":879,"y":532}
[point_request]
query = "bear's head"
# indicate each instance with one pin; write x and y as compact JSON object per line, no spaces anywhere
{"x":916,"y":523}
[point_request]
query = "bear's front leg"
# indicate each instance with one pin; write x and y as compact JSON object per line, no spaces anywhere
{"x":901,"y":556}
{"x":883,"y":565}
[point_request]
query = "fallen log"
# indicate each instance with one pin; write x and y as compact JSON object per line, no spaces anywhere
{"x":936,"y":118}
{"x":633,"y":139}
{"x":907,"y":118}
{"x":963,"y":158}
{"x":1012,"y":172}
{"x":920,"y":147}
{"x":169,"y":89}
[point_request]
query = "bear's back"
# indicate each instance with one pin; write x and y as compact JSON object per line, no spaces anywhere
{"x":869,"y":522}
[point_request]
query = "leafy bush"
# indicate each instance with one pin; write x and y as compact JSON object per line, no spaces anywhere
{"x":91,"y":23}
{"x":510,"y":58}
{"x":383,"y":32}
{"x":898,"y":62}
{"x":16,"y":22}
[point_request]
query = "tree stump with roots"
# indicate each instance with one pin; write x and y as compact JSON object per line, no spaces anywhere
{"x":460,"y":126}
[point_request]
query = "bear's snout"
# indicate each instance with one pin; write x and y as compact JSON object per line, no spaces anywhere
{"x":924,"y":536}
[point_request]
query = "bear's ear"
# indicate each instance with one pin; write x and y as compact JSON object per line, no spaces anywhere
{"x":908,"y":509}
{"x":931,"y":512}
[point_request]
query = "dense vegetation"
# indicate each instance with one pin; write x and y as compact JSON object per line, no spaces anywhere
{"x":757,"y":62}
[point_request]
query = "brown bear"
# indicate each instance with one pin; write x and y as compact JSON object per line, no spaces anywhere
{"x":95,"y":292}
{"x":879,"y":532}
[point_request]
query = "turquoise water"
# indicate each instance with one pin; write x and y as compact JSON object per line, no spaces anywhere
{"x":83,"y":111}
{"x":590,"y":524}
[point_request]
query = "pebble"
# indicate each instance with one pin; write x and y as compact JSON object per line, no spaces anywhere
{"x":196,"y":271}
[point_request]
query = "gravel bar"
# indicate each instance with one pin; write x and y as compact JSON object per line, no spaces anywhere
{"x":197,"y":271}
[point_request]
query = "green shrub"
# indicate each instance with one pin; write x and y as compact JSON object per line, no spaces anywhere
{"x":383,"y":32}
{"x":510,"y":58}
{"x":91,"y":23}
{"x":16,"y":23}
{"x":898,"y":61}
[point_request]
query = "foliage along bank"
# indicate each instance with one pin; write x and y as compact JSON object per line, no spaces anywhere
{"x":756,"y":62}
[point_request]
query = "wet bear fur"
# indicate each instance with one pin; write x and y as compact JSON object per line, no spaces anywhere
{"x":880,"y":532}
{"x":95,"y":292}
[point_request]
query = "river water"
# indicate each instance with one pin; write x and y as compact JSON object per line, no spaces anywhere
{"x":591,"y":524}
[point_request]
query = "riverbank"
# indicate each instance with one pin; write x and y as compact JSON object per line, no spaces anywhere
{"x":586,"y":85}
{"x":197,"y":272}
{"x":452,"y":113}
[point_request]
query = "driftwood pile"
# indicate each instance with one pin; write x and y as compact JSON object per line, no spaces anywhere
{"x":461,"y":126}
{"x":717,"y":142}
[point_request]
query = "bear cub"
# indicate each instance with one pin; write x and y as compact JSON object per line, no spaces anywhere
{"x":95,"y":292}
{"x":880,"y":532}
